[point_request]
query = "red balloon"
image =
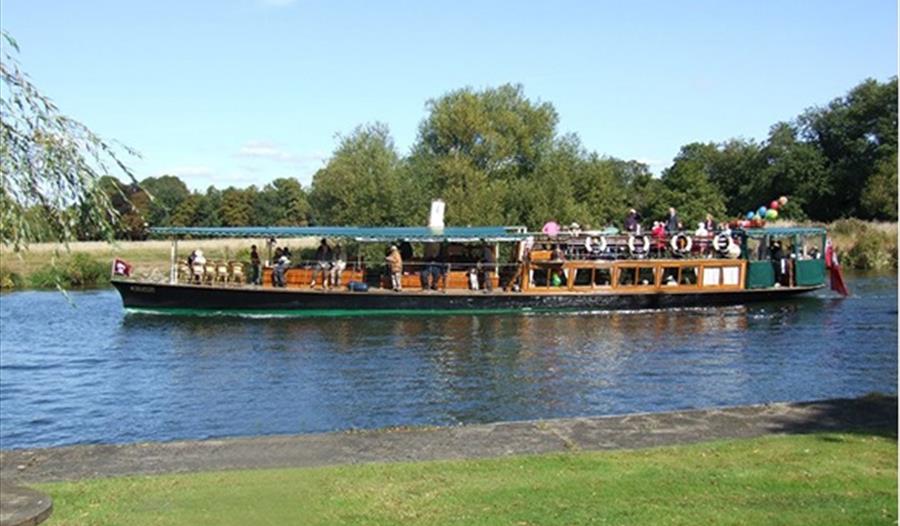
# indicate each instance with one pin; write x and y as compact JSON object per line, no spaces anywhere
{"x":774,"y":205}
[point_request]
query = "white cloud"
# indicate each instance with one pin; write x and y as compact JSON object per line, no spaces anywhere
{"x":272,"y":152}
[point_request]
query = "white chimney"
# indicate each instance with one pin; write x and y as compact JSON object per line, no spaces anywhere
{"x":436,"y":219}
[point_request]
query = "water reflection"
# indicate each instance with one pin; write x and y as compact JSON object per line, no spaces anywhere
{"x":101,"y":376}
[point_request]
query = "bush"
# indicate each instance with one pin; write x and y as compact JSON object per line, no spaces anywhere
{"x":80,"y":270}
{"x":10,"y":280}
{"x":873,"y":250}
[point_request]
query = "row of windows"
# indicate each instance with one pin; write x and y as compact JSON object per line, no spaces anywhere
{"x":639,"y":276}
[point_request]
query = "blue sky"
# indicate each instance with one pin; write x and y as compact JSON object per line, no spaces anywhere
{"x":239,"y":92}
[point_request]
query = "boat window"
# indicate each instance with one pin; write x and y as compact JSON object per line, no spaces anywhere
{"x":688,"y":276}
{"x":602,"y":277}
{"x":669,"y":276}
{"x":583,"y":277}
{"x":647,"y":276}
{"x":731,"y":275}
{"x":627,"y":276}
{"x":539,"y":277}
{"x":711,"y":276}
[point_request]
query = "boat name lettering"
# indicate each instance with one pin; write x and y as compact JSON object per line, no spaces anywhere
{"x":138,"y":288}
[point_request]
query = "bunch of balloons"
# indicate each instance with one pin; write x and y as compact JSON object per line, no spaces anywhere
{"x":770,"y":213}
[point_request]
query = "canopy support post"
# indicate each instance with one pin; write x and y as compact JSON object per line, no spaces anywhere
{"x":173,"y":268}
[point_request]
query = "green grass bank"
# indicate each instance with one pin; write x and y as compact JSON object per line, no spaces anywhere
{"x":823,"y":478}
{"x":861,"y":245}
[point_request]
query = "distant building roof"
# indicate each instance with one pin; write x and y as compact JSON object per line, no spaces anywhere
{"x":372,"y":234}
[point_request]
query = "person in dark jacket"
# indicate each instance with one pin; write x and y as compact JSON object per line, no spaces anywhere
{"x":255,"y":274}
{"x":633,"y":222}
{"x":323,"y":264}
{"x":673,"y":224}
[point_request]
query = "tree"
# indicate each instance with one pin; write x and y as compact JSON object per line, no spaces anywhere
{"x":168,"y":192}
{"x":236,"y":206}
{"x":855,"y":134}
{"x":475,"y":148}
{"x":687,"y":187}
{"x":361,"y":184}
{"x":50,"y":164}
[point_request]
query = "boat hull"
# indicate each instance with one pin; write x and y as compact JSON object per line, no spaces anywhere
{"x":163,"y":297}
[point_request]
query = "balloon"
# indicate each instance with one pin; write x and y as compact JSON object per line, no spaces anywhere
{"x":761,"y":211}
{"x":783,"y":200}
{"x":772,"y":215}
{"x":750,"y":214}
{"x":774,"y":205}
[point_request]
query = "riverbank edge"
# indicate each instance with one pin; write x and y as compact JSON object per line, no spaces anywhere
{"x":871,"y":413}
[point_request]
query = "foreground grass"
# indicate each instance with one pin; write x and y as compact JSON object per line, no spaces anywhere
{"x":809,"y":479}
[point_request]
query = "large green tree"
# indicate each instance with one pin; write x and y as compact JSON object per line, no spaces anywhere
{"x":361,"y":184}
{"x":167,"y":192}
{"x":855,"y":134}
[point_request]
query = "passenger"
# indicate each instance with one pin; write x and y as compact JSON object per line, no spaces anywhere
{"x":275,"y":259}
{"x":406,"y":250}
{"x":322,"y":265}
{"x":281,"y":266}
{"x":255,"y":275}
{"x":443,"y":267}
{"x":779,"y":264}
{"x":338,"y":264}
{"x":709,"y":224}
{"x":672,"y":222}
{"x":429,"y":274}
{"x":473,"y":279}
{"x":551,"y":228}
{"x":395,"y":266}
{"x":633,"y":222}
{"x":286,"y":252}
{"x":487,"y":262}
{"x":701,"y":238}
{"x":197,"y":266}
{"x":659,"y":237}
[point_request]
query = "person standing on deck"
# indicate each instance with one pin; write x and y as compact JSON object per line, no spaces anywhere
{"x":323,"y":264}
{"x":487,"y":266}
{"x":633,"y":222}
{"x":255,"y":276}
{"x":672,"y":221}
{"x":395,"y":266}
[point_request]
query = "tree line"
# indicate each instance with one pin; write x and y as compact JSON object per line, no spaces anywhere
{"x":496,"y":157}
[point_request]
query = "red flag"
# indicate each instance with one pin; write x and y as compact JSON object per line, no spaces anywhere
{"x":121,"y":268}
{"x":837,"y":277}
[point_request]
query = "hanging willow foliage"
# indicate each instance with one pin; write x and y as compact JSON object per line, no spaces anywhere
{"x":50,"y":165}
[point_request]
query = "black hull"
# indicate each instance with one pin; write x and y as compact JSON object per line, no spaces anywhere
{"x":165,"y":297}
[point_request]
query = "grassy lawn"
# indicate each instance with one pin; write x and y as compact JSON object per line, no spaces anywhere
{"x":813,"y":479}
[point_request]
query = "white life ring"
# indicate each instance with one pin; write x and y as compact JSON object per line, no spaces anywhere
{"x":645,"y":248}
{"x":601,"y":244}
{"x":688,"y":243}
{"x":722,"y":243}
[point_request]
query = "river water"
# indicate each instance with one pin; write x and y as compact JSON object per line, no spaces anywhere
{"x":83,"y":371}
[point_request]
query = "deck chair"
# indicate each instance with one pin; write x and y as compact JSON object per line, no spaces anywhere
{"x":209,"y":272}
{"x":197,"y":272}
{"x":184,"y":273}
{"x":222,"y":272}
{"x":236,"y":275}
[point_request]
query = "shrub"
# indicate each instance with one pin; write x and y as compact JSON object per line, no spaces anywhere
{"x":10,"y":280}
{"x":80,"y":270}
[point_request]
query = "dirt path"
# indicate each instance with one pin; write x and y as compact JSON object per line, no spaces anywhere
{"x":871,"y":413}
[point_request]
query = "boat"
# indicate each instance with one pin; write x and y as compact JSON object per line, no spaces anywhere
{"x":528,"y":271}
